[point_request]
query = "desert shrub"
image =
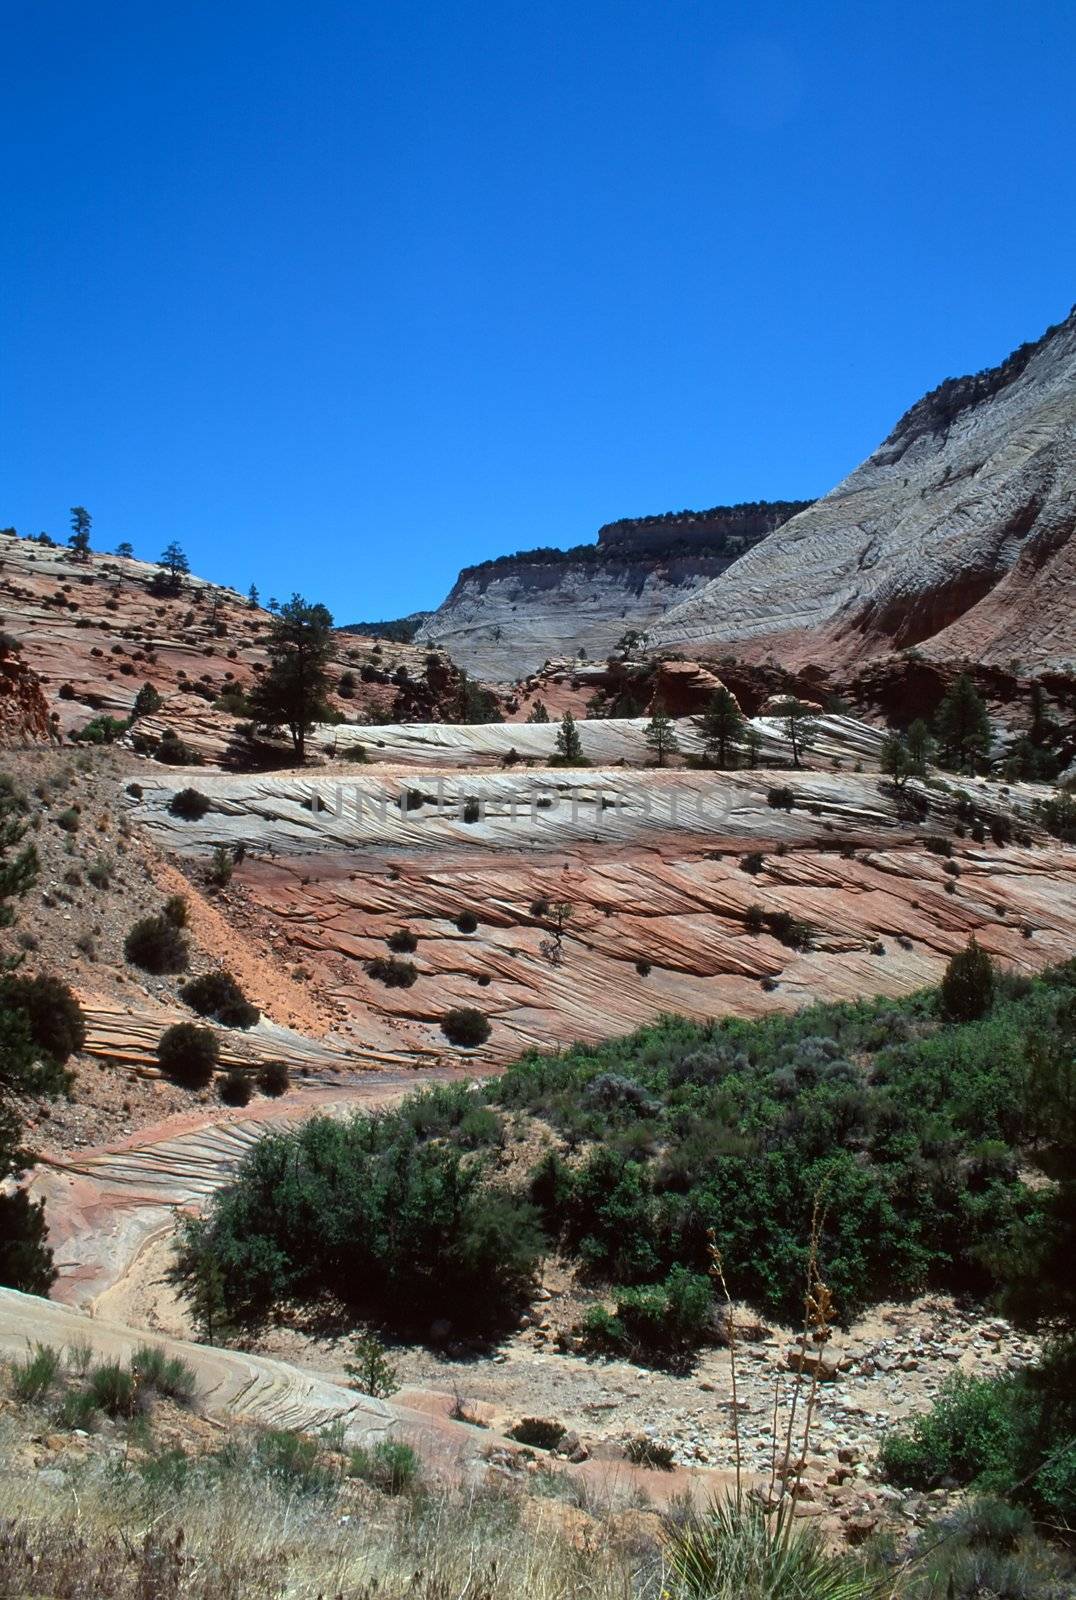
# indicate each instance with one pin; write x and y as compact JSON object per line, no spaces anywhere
{"x":52,"y":1015}
{"x":540,"y":1433}
{"x":32,"y":1376}
{"x":403,"y":941}
{"x":643,"y":968}
{"x":752,"y":863}
{"x":220,"y":869}
{"x":642,"y":1451}
{"x":190,"y":804}
{"x":656,"y":1321}
{"x":392,"y":972}
{"x":290,"y":1461}
{"x":175,"y":910}
{"x":217,"y":995}
{"x":174,"y":753}
{"x":467,"y":922}
{"x":465,"y":1026}
{"x":113,"y":1389}
{"x":388,"y":1218}
{"x":472,"y":810}
{"x":156,"y":945}
{"x":169,"y":1375}
{"x":391,"y":1466}
{"x":68,"y":819}
{"x":781,"y":799}
{"x":236,"y":1088}
{"x":754,"y":919}
{"x":274,"y":1078}
{"x":99,"y":873}
{"x":188,"y":1054}
{"x":789,"y":930}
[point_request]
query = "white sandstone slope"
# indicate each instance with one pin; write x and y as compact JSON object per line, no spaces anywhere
{"x":956,"y":535}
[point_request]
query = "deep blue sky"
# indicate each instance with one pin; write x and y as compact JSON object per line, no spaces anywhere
{"x":345,"y":295}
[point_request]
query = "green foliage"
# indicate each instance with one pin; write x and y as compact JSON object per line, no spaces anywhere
{"x":218,"y":996}
{"x":147,"y":702}
{"x":236,"y":1088}
{"x":273,"y":1078}
{"x":391,"y":1466}
{"x":294,"y":693}
{"x":190,"y":804}
{"x":799,"y":724}
{"x":113,"y":1389}
{"x":738,"y":1551}
{"x":290,"y":1461}
{"x":538,"y":712}
{"x":156,"y":945}
{"x":967,"y":988}
{"x":220,"y":869}
{"x":52,"y":1015}
{"x":912,"y":1121}
{"x":467,"y":922}
{"x":781,"y":799}
{"x":660,"y":735}
{"x":25,"y":1258}
{"x":188,"y":1054}
{"x":464,"y":1026}
{"x":962,"y":725}
{"x":384,"y":1212}
{"x":569,"y":745}
{"x":722,"y":727}
{"x":33,"y":1376}
{"x":402,"y":942}
{"x":102,"y":730}
{"x":655,"y":1321}
{"x":169,"y":1375}
{"x":370,"y":1369}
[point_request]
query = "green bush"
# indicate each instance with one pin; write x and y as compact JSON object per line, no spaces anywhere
{"x":53,"y":1016}
{"x":156,"y":945}
{"x":33,"y":1376}
{"x":236,"y":1088}
{"x":403,"y":942}
{"x":467,"y":922}
{"x":540,"y":1433}
{"x":169,"y":1375}
{"x":383,"y":1212}
{"x":190,"y":804}
{"x":188,"y":1054}
{"x":217,"y":995}
{"x":464,"y":1026}
{"x":967,"y":987}
{"x":274,"y":1078}
{"x":113,"y":1390}
{"x":391,"y":1466}
{"x":393,"y":973}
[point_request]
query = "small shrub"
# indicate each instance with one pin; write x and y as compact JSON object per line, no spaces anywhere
{"x":100,"y":874}
{"x":175,"y":909}
{"x":393,"y":973}
{"x":274,"y":1078}
{"x":781,"y":799}
{"x":113,"y":1390}
{"x":403,"y":941}
{"x":156,"y":945}
{"x":220,"y":869}
{"x":217,"y":995}
{"x":370,"y":1370}
{"x":467,"y":922}
{"x":465,"y":1026}
{"x":34,"y":1375}
{"x":643,"y":968}
{"x":236,"y":1088}
{"x":53,"y":1016}
{"x":472,"y":810}
{"x":188,"y":1054}
{"x":169,"y":1375}
{"x":643,"y":1451}
{"x":390,"y":1466}
{"x":540,"y":1433}
{"x":752,"y":863}
{"x":68,"y":819}
{"x":190,"y":804}
{"x":967,"y":989}
{"x":754,"y":919}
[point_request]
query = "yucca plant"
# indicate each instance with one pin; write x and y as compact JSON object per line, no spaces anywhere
{"x":739,"y":1551}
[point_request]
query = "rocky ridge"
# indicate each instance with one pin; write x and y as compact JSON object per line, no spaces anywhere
{"x":955,"y":537}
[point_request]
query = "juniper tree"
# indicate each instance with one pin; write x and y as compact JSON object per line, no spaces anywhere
{"x":569,"y":744}
{"x":962,"y":723}
{"x":175,"y":563}
{"x":800,"y":725}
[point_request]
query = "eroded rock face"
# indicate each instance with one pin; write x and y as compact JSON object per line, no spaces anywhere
{"x":661,"y":868}
{"x":956,"y":536}
{"x":506,"y":618}
{"x":24,"y":711}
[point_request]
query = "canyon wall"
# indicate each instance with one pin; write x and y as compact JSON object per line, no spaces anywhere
{"x":955,"y":536}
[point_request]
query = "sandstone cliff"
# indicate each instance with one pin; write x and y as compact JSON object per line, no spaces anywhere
{"x":507,"y":617}
{"x":954,"y":536}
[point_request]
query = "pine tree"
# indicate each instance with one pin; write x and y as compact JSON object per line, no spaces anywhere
{"x":660,"y":734}
{"x":721,"y":726}
{"x":895,"y":759}
{"x":962,"y":724}
{"x":175,"y":563}
{"x":124,"y":549}
{"x":538,"y":712}
{"x":294,"y":693}
{"x":79,"y":537}
{"x":752,"y":743}
{"x":569,"y":744}
{"x":252,"y":597}
{"x":800,"y":725}
{"x":920,"y":746}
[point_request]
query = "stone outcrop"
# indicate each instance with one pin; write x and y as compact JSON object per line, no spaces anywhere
{"x":506,"y":618}
{"x":955,"y":536}
{"x":24,"y":711}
